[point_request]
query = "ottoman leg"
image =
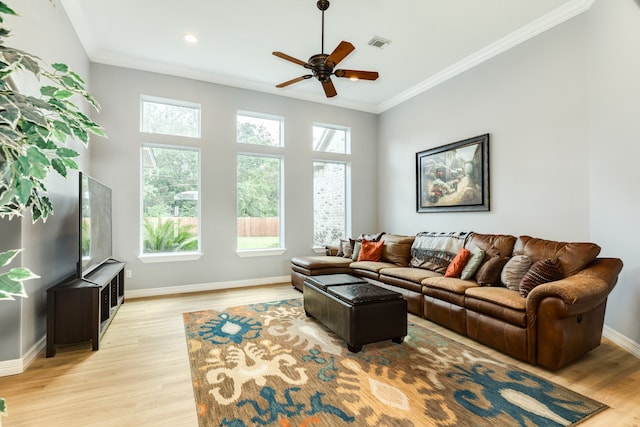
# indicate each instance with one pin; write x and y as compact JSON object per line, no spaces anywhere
{"x":398,"y":340}
{"x":354,"y":348}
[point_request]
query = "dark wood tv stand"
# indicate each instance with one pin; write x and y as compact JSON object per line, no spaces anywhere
{"x":80,"y":310}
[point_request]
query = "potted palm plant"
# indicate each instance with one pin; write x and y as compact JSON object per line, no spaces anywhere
{"x":34,"y":132}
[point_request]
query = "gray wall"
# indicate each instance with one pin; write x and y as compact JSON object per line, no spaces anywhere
{"x":614,"y":110}
{"x":562,"y":111}
{"x":116,"y":162}
{"x":45,"y":31}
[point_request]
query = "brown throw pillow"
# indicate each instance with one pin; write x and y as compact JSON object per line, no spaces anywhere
{"x":544,"y":271}
{"x":489,"y":273}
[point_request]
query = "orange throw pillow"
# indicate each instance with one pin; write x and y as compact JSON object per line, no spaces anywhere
{"x":371,"y":251}
{"x":457,"y":265}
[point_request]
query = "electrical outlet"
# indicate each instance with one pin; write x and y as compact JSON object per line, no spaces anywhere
{"x":128,"y":274}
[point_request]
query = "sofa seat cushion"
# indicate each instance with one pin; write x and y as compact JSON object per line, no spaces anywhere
{"x":499,"y":303}
{"x":447,"y":289}
{"x":411,"y":274}
{"x":320,"y":262}
{"x":450,"y":284}
{"x":374,"y":266}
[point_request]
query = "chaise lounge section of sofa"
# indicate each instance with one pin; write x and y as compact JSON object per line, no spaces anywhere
{"x":557,"y":321}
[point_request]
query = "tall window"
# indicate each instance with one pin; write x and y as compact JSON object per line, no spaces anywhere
{"x":170,"y":205}
{"x":259,"y":182}
{"x":170,"y":117}
{"x":170,"y":178}
{"x":331,"y":202}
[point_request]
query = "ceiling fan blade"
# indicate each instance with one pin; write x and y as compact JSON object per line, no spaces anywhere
{"x":357,"y":74}
{"x":329,"y":89}
{"x":292,"y":81}
{"x":339,"y":53}
{"x":292,"y":59}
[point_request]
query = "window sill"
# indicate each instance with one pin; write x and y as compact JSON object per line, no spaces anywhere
{"x":170,"y":257}
{"x":247,"y":253}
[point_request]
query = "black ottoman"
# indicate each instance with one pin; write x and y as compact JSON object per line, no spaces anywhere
{"x":357,"y":311}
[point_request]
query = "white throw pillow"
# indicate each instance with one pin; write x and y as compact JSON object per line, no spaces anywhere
{"x":514,"y":270}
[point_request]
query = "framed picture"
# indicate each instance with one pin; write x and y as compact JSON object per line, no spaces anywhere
{"x":454,"y":177}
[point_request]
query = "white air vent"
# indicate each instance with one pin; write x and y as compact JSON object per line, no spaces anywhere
{"x":379,"y":42}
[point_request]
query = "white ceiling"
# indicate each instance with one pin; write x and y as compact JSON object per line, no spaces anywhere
{"x":431,"y":40}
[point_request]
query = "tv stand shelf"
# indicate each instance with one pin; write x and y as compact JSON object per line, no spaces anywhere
{"x":80,"y":310}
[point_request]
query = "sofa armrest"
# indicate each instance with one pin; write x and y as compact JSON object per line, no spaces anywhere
{"x":580,"y":292}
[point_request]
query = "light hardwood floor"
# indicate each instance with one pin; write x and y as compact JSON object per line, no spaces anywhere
{"x":140,"y":376}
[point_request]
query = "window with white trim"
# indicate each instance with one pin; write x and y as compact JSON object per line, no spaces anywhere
{"x":170,"y":199}
{"x":259,"y":167}
{"x":169,"y":117}
{"x":331,"y":185}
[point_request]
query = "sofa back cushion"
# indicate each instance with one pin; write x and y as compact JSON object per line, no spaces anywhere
{"x":435,"y":250}
{"x":493,"y":244}
{"x":571,"y":256}
{"x":397,"y":249}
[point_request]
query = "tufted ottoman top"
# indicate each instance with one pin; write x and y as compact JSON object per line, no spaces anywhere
{"x":362,"y":293}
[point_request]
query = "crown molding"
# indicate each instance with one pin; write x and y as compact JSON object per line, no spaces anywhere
{"x":539,"y":26}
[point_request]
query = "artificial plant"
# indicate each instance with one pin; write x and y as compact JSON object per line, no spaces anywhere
{"x":33,"y":138}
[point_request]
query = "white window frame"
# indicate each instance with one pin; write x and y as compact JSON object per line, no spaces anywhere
{"x":347,"y":138}
{"x":172,"y":102}
{"x":169,"y":256}
{"x":265,"y":251}
{"x":331,"y":157}
{"x":264,"y":116}
{"x":257,"y":150}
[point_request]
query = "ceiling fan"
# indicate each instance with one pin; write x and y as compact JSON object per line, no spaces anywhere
{"x":322,"y":65}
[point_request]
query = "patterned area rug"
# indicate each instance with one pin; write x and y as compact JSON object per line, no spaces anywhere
{"x":269,"y":365}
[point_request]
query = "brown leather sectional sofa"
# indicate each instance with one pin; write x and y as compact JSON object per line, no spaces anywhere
{"x":556,"y":323}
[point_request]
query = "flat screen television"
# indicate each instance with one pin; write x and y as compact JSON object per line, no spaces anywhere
{"x":95,"y":225}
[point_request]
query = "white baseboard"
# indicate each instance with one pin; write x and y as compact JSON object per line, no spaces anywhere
{"x":152,"y":292}
{"x":621,"y":340}
{"x":18,"y":366}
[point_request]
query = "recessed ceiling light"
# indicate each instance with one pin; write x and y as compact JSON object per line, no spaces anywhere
{"x":191,"y":38}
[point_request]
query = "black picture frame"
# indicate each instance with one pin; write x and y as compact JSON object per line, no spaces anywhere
{"x":454,"y":177}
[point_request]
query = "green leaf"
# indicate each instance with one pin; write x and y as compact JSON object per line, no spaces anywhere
{"x":63,"y":94}
{"x":23,"y":165}
{"x":6,"y":9}
{"x":11,"y":287}
{"x":76,"y":77}
{"x":31,"y":64}
{"x":71,"y":83}
{"x":38,"y":171}
{"x":69,"y":163}
{"x":66,"y":152}
{"x":48,"y":90}
{"x":59,"y":167}
{"x":8,"y":256}
{"x":5,"y":200}
{"x":20,"y":274}
{"x":63,"y":68}
{"x":97,"y":130}
{"x":35,"y":155}
{"x":81,"y":134}
{"x":23,"y":189}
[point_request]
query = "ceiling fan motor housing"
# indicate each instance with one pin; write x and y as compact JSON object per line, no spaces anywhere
{"x":320,"y":68}
{"x":323,"y":5}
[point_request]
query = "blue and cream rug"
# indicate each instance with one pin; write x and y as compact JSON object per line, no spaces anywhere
{"x":269,"y":365}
